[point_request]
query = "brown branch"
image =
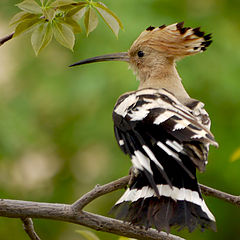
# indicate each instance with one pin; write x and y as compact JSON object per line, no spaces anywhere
{"x":65,"y":212}
{"x":122,"y":182}
{"x":29,"y":228}
{"x":99,"y":191}
{"x":5,"y":39}
{"x":208,"y":191}
{"x":72,"y":213}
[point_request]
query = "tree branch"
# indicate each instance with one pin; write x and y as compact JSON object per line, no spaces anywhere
{"x":99,"y":191}
{"x":74,"y":214}
{"x":5,"y":39}
{"x":29,"y":228}
{"x":122,"y":182}
{"x":208,"y":191}
{"x":65,"y":212}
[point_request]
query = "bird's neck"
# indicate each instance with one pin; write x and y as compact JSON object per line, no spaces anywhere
{"x":163,"y":76}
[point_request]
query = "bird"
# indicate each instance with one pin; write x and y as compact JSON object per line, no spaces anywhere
{"x":165,"y":132}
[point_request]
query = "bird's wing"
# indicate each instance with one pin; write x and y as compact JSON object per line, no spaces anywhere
{"x":198,"y":111}
{"x":151,"y":123}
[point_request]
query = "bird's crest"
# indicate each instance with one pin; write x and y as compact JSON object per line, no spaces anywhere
{"x":174,"y":40}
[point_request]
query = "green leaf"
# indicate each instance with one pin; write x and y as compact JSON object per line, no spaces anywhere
{"x":47,"y":2}
{"x":109,"y":17}
{"x":30,"y":6}
{"x":21,"y":16}
{"x":79,"y":14}
{"x":74,"y":25}
{"x":41,"y":36}
{"x":75,"y":10}
{"x":90,"y":20}
{"x":236,"y":155}
{"x":60,"y":3}
{"x":87,"y":235}
{"x":49,"y":13}
{"x":63,"y":33}
{"x":27,"y":26}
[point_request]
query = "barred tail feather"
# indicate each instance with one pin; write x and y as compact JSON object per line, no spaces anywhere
{"x":180,"y":207}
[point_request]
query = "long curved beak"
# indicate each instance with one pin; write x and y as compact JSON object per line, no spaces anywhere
{"x":122,"y":56}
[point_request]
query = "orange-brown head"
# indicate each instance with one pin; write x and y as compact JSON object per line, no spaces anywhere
{"x":153,"y":54}
{"x":161,"y":46}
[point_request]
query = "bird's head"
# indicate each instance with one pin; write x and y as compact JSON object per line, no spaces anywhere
{"x":157,"y":48}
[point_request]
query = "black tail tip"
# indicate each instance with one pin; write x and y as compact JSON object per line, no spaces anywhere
{"x":164,"y":214}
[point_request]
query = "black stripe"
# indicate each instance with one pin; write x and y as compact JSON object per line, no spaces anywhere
{"x":163,"y":213}
{"x":192,"y":104}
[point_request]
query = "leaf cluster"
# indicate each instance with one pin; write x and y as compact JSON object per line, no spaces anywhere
{"x":60,"y":19}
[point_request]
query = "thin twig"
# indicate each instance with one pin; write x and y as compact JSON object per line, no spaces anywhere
{"x":29,"y":228}
{"x":99,"y":191}
{"x":5,"y":39}
{"x":122,"y":182}
{"x":208,"y":191}
{"x":64,"y":212}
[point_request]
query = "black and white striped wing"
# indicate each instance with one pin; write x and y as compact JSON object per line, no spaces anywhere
{"x":151,"y":119}
{"x":166,"y":141}
{"x":198,"y":111}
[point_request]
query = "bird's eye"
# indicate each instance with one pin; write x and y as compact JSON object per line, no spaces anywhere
{"x":140,"y":53}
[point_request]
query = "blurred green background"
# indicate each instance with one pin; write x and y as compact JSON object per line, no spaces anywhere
{"x":56,"y":131}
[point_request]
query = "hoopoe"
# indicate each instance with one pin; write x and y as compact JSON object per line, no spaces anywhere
{"x":164,"y":131}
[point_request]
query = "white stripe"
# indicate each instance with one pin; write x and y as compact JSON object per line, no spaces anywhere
{"x":165,"y":190}
{"x":136,"y":164}
{"x":163,"y":117}
{"x":137,"y":195}
{"x":177,"y":195}
{"x":178,"y":126}
{"x":124,"y":196}
{"x":122,"y":108}
{"x":146,"y":91}
{"x":139,"y":114}
{"x":175,"y":145}
{"x":150,"y":192}
{"x":121,"y":142}
{"x":143,"y":160}
{"x":144,"y":192}
{"x":199,"y":134}
{"x":181,"y":124}
{"x":207,"y":211}
{"x":196,"y":136}
{"x":152,"y":156}
{"x":168,"y":151}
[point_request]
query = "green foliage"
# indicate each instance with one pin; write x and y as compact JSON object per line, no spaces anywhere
{"x":41,"y":37}
{"x":109,"y":17}
{"x":56,"y":129}
{"x":30,"y":6}
{"x":60,"y":19}
{"x":91,"y":20}
{"x":235,"y":155}
{"x":87,"y":235}
{"x":63,"y":33}
{"x":125,"y":238}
